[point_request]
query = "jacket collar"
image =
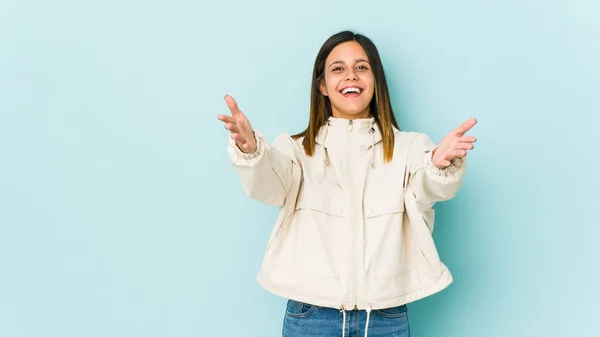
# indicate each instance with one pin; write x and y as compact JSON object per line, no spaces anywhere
{"x":367,"y":126}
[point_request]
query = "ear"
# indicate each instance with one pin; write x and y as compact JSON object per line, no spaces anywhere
{"x":323,"y":88}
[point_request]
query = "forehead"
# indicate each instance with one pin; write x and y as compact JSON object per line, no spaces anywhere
{"x":347,"y":52}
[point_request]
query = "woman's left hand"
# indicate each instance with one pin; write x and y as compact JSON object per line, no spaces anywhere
{"x":454,"y":145}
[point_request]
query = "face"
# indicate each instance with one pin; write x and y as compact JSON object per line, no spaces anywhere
{"x":349,"y":81}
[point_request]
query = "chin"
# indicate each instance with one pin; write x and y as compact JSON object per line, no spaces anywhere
{"x":357,"y":111}
{"x":352,"y":109}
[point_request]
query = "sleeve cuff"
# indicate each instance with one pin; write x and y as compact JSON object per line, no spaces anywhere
{"x":239,"y":157}
{"x":455,"y":165}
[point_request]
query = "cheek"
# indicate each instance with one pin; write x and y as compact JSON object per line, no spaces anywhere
{"x":370,"y":81}
{"x":331,"y":82}
{"x":331,"y":87}
{"x":372,"y":86}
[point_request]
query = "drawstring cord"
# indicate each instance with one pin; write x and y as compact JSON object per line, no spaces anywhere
{"x":367,"y":324}
{"x":372,"y":132}
{"x":343,"y":321}
{"x":343,"y":311}
{"x":324,"y":138}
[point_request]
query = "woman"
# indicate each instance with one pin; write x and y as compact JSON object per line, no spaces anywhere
{"x":352,"y":244}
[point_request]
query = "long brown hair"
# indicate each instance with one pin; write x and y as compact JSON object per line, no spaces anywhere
{"x":320,"y":106}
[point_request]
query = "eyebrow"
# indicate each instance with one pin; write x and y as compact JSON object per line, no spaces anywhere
{"x":357,"y":60}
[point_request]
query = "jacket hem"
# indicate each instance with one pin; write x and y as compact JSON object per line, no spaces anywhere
{"x":444,"y":280}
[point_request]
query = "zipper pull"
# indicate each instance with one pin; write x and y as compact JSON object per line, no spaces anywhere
{"x":351,"y":124}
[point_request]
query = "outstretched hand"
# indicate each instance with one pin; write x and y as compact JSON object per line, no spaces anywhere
{"x":455,"y":144}
{"x":239,"y":126}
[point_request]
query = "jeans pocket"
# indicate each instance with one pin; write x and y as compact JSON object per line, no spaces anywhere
{"x":297,"y":309}
{"x":394,"y":312}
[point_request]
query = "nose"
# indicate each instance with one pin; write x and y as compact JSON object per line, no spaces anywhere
{"x":351,"y":75}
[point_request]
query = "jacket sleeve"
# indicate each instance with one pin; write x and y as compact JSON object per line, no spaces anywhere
{"x":265,"y":174}
{"x":429,"y":183}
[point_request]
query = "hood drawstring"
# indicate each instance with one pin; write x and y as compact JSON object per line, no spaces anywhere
{"x":327,"y":162}
{"x":326,"y":157}
{"x":372,"y":132}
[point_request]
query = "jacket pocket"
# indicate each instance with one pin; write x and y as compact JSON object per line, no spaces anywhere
{"x":286,"y":213}
{"x":389,"y":250}
{"x":422,"y":225}
{"x":316,"y":232}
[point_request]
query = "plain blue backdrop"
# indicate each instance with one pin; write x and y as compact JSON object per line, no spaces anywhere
{"x":121,"y":216}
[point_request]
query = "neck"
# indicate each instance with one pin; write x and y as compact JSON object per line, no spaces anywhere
{"x":364,"y":115}
{"x":361,"y":115}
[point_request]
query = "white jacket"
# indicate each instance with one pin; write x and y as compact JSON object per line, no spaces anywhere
{"x":349,"y":234}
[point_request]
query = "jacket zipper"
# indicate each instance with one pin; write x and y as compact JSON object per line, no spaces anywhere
{"x":352,"y":234}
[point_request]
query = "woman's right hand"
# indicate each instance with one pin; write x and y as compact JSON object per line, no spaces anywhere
{"x":239,"y":126}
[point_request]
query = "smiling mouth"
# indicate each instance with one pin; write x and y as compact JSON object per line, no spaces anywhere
{"x":351,"y":92}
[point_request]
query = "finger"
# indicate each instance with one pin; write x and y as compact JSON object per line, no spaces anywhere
{"x":454,"y":153}
{"x":466,"y":126}
{"x":232,"y":104}
{"x":464,"y":146}
{"x":233,"y":127}
{"x":226,"y":119}
{"x":467,"y":139}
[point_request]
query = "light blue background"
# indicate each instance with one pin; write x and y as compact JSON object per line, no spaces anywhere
{"x":121,"y":216}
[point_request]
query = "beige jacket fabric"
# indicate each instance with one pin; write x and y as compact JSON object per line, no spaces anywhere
{"x":353,"y":231}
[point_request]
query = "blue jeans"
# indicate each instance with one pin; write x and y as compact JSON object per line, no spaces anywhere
{"x":306,"y":320}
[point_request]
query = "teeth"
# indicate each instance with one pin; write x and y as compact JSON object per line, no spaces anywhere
{"x":353,"y":90}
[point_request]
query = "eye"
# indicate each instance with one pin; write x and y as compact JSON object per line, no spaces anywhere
{"x":362,"y":67}
{"x":337,"y":69}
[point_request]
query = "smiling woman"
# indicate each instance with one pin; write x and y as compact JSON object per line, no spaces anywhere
{"x":350,"y":240}
{"x":349,"y":60}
